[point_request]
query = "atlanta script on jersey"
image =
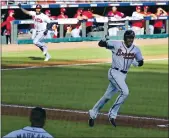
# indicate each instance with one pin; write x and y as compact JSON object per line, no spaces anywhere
{"x":40,"y":21}
{"x":123,"y":57}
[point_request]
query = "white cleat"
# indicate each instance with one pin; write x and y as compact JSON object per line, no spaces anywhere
{"x":47,"y":58}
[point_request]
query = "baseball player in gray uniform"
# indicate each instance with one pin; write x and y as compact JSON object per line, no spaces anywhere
{"x":37,"y":119}
{"x":124,"y":53}
{"x":42,"y":24}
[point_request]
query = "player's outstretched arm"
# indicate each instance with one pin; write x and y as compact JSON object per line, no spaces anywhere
{"x":24,"y":11}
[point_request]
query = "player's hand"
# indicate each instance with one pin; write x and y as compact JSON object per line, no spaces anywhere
{"x":45,"y":33}
{"x":135,"y":63}
{"x":102,"y":43}
{"x":19,"y":5}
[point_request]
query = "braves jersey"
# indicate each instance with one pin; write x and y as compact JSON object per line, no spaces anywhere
{"x":29,"y":132}
{"x":40,"y":21}
{"x":123,"y":57}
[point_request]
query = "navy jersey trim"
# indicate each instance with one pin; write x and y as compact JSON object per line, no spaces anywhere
{"x":124,"y":58}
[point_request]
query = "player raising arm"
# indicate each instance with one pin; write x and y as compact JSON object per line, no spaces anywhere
{"x":124,"y":53}
{"x":42,"y":24}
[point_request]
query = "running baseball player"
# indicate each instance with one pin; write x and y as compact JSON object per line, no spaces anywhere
{"x":37,"y":119}
{"x":42,"y":24}
{"x":124,"y":53}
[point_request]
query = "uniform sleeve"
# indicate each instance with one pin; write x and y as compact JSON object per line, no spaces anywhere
{"x":111,"y":44}
{"x":49,"y":136}
{"x":138,"y":55}
{"x":32,"y":13}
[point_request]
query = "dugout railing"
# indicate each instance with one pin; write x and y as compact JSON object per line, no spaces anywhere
{"x":104,"y":20}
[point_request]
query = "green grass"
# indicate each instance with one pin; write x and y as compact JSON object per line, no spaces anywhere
{"x":73,"y":54}
{"x":79,"y":129}
{"x":79,"y":87}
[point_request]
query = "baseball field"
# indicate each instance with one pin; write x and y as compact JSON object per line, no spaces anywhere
{"x":70,"y":83}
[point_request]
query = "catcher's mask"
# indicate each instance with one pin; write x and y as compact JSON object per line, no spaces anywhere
{"x":129,"y":36}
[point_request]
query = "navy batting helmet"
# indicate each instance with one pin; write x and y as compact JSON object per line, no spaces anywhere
{"x":38,"y":6}
{"x":129,"y":34}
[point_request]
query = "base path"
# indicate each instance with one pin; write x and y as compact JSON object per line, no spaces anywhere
{"x":63,"y":63}
{"x":73,"y":45}
{"x":82,"y":116}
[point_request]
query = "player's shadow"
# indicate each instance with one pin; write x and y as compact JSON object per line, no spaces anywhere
{"x":36,"y":58}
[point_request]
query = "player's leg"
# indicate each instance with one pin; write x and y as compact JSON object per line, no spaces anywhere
{"x":38,"y":41}
{"x":111,"y":90}
{"x":119,"y":81}
{"x":36,"y":38}
{"x":34,"y":33}
{"x":120,"y":100}
{"x":151,"y":28}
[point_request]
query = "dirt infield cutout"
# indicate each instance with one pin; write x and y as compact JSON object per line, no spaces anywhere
{"x":72,"y":62}
{"x":82,"y":116}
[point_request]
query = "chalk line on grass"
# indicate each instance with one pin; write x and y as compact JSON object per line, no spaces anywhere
{"x":83,"y":112}
{"x":163,"y":126}
{"x":37,"y":67}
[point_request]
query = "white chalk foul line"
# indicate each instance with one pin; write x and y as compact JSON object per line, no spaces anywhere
{"x":163,"y":126}
{"x":37,"y":67}
{"x":83,"y":112}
